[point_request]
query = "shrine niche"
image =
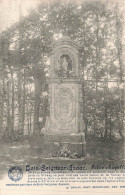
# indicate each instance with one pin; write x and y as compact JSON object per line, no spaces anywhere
{"x":64,"y":96}
{"x":64,"y":67}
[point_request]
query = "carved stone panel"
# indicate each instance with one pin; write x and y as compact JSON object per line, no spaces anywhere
{"x":64,"y":107}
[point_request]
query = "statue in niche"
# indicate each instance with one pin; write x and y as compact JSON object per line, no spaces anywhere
{"x":65,"y":66}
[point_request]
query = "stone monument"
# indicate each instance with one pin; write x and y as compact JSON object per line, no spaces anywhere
{"x":66,"y":129}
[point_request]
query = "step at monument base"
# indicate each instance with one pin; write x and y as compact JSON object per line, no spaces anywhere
{"x":64,"y":144}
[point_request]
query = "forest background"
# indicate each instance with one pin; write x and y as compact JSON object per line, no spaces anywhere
{"x":25,"y":63}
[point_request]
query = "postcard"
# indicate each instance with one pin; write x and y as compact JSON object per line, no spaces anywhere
{"x":62,"y":97}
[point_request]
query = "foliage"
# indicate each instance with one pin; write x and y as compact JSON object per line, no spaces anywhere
{"x":24,"y":54}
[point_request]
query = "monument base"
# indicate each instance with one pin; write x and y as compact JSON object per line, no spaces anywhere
{"x":65,"y":145}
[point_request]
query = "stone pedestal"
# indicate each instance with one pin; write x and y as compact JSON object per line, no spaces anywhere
{"x":73,"y":143}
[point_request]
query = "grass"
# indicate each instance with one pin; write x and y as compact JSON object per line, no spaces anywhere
{"x":99,"y":152}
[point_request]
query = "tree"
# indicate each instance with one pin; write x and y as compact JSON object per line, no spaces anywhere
{"x":25,"y":50}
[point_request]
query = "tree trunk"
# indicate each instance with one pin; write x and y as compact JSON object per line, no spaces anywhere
{"x":19,"y":99}
{"x":8,"y":110}
{"x":1,"y":104}
{"x":23,"y":104}
{"x":110,"y":124}
{"x":44,"y":112}
{"x":12,"y":82}
{"x":105,"y":111}
{"x":36,"y":75}
{"x":119,"y":42}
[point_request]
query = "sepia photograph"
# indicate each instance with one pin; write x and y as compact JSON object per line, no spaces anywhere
{"x":61,"y":88}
